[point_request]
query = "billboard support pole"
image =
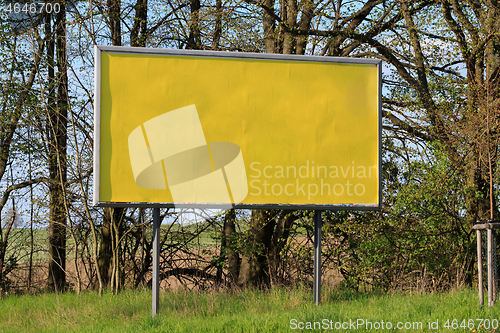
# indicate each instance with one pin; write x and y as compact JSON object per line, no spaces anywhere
{"x":491,"y":262}
{"x":480,"y":267}
{"x":490,"y":266}
{"x":317,"y":257}
{"x":156,"y":261}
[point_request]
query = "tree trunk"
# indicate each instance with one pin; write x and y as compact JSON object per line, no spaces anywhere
{"x":269,"y":28}
{"x":105,"y":249}
{"x":3,"y":247}
{"x":227,"y":249}
{"x":138,"y":34}
{"x":279,"y":241}
{"x":113,"y":215}
{"x":194,"y":41}
{"x":290,"y":13}
{"x":58,"y":118}
{"x":254,"y":265}
{"x":218,"y":25}
{"x":114,"y":14}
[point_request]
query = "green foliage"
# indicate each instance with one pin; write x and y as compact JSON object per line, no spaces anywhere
{"x":417,"y":242}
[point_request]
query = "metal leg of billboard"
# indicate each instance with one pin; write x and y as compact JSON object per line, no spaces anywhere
{"x":317,"y":257}
{"x":480,"y":267}
{"x":156,"y":260}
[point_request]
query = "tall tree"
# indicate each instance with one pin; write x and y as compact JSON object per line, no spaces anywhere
{"x":58,"y":134}
{"x":109,"y":263}
{"x":194,"y":37}
{"x":287,"y":28}
{"x":15,"y":89}
{"x":464,"y":119}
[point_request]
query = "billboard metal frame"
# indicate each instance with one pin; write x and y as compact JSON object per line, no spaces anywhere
{"x":98,"y":49}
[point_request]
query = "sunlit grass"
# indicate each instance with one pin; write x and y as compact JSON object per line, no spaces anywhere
{"x":275,"y":310}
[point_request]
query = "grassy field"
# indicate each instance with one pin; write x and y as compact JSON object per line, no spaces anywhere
{"x":20,"y":239}
{"x":277,"y":310}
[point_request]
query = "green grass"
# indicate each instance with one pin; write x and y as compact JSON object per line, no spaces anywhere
{"x":248,"y":311}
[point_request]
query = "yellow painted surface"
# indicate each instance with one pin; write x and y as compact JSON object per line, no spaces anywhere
{"x":308,"y":131}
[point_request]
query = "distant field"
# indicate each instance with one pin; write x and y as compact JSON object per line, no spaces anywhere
{"x":19,"y":244}
{"x":20,"y":240}
{"x":201,"y":237}
{"x":277,"y":310}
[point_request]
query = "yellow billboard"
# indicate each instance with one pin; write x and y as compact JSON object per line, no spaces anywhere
{"x":179,"y":128}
